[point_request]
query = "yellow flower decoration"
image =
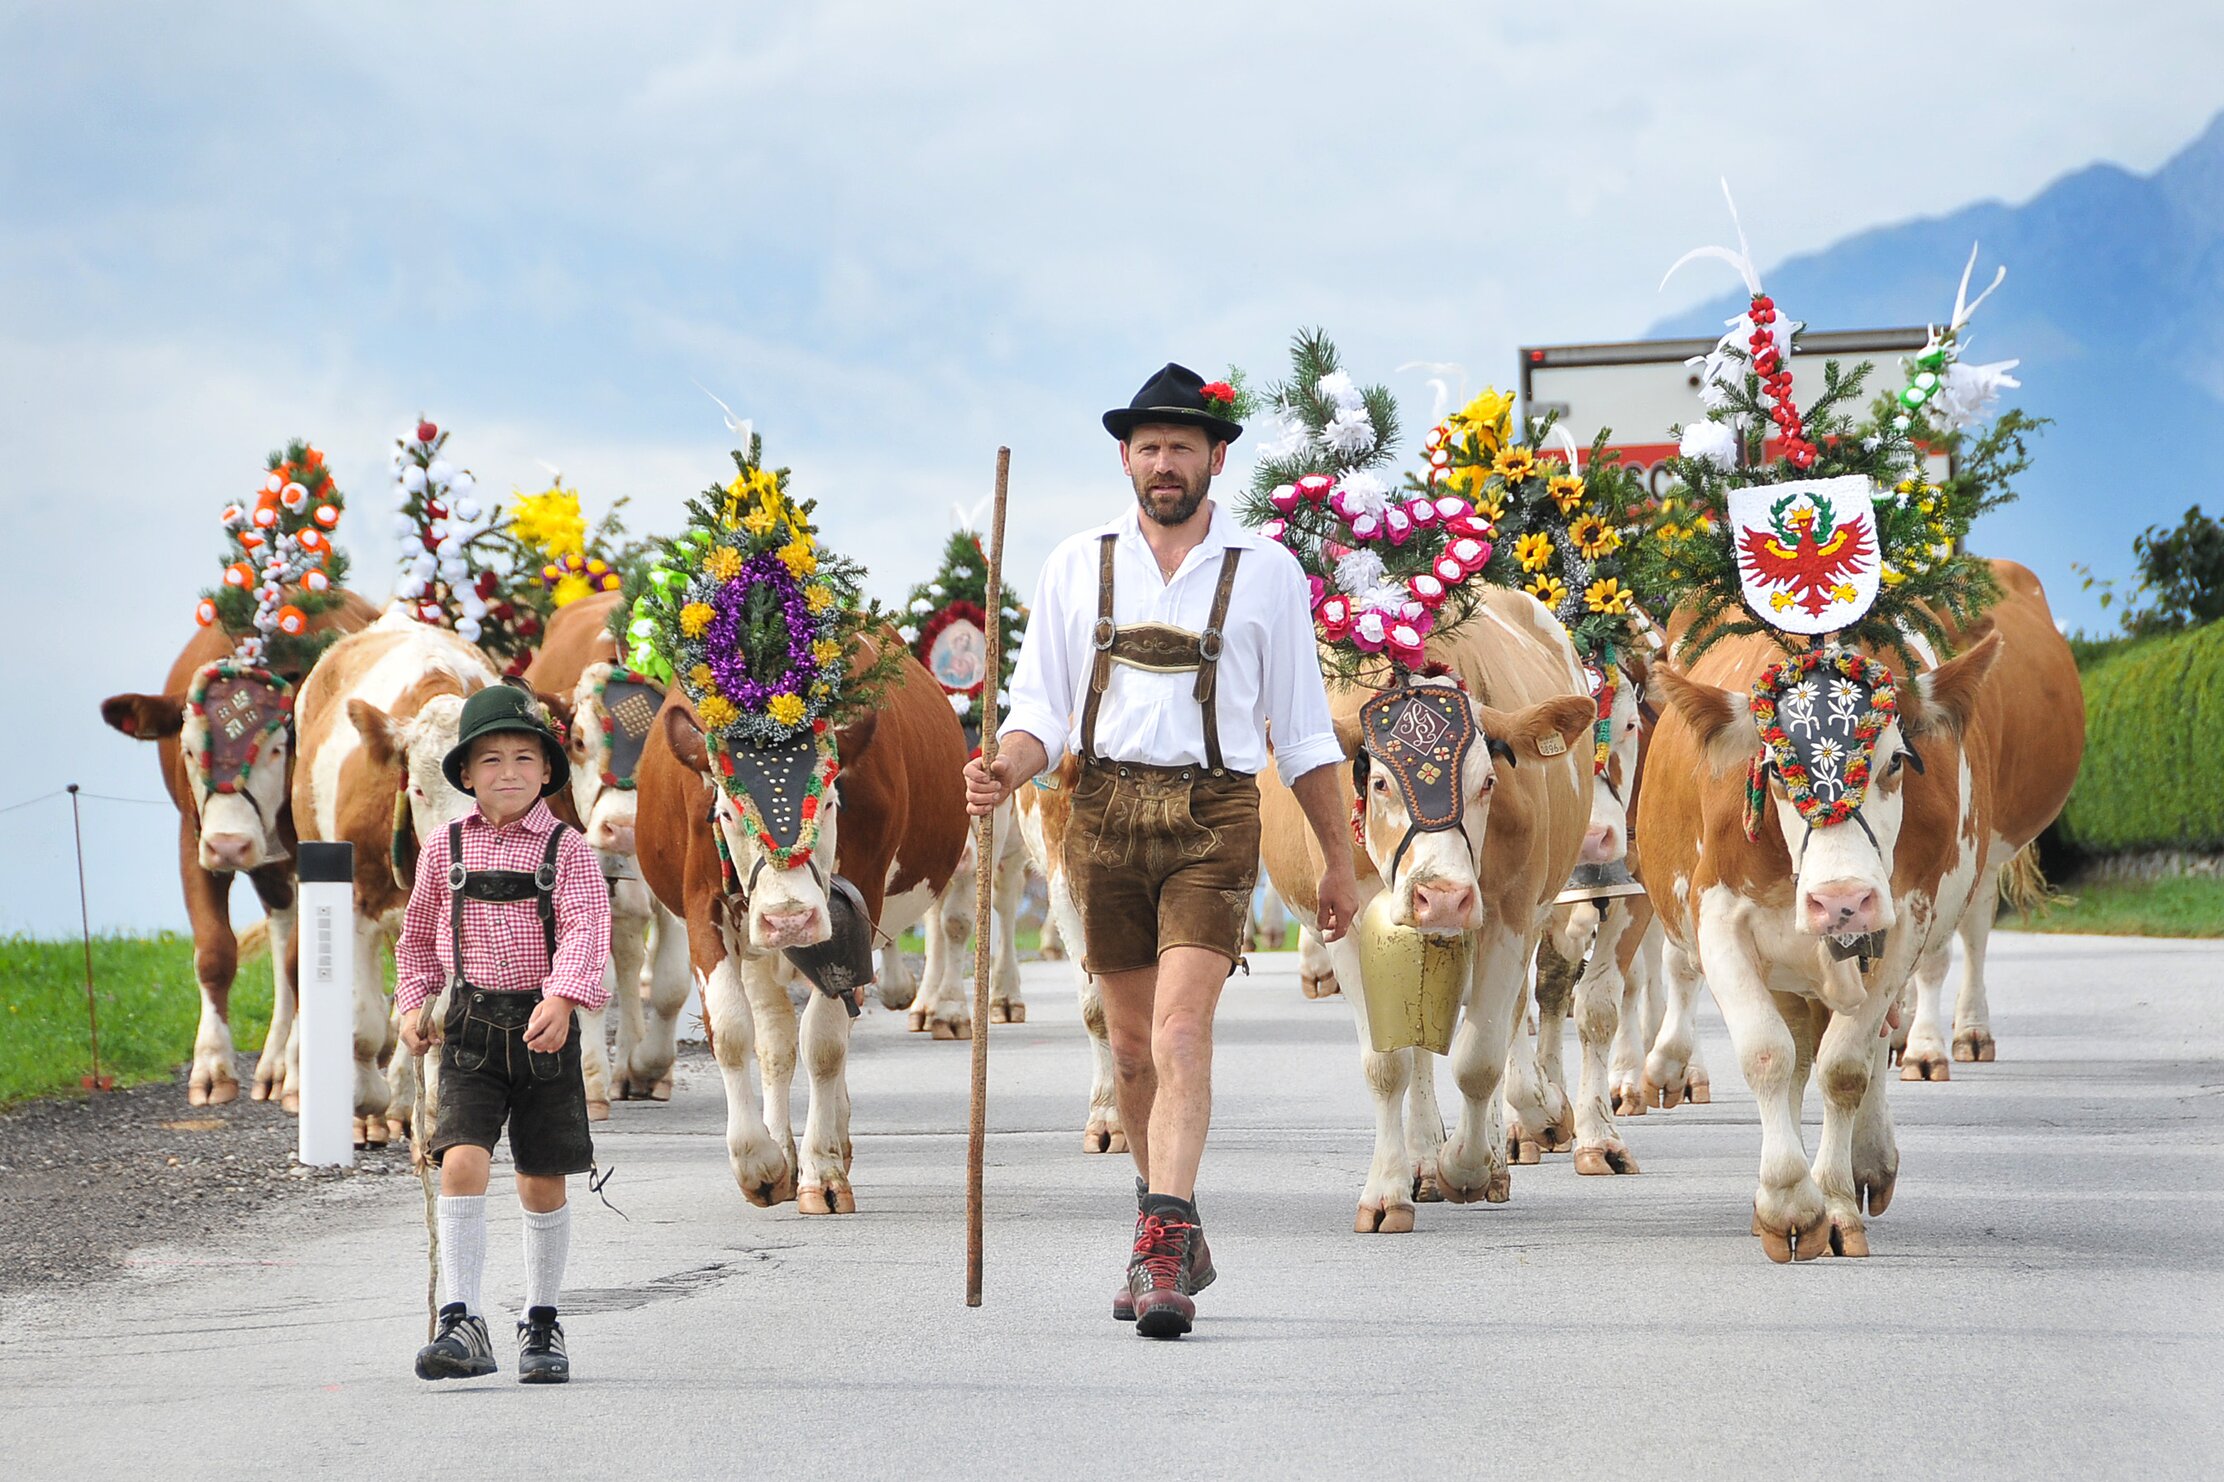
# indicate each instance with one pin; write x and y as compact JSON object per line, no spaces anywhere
{"x":1668,"y":534}
{"x":759,"y":521}
{"x":758,"y":492}
{"x":818,"y":598}
{"x":1594,"y":537}
{"x":550,"y":522}
{"x":1533,"y":550}
{"x":723,"y":564}
{"x":1548,"y":589}
{"x":701,"y":680}
{"x":826,"y":651}
{"x":1489,"y":416}
{"x":786,"y":709}
{"x":717,"y":712}
{"x":796,"y":556}
{"x":1492,"y":506}
{"x":571,"y":588}
{"x":1566,"y":490}
{"x":1608,"y":596}
{"x":1514,"y":464}
{"x":1892,"y":577}
{"x":695,"y":618}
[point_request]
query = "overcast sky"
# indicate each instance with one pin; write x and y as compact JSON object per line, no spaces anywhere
{"x":895,"y":235}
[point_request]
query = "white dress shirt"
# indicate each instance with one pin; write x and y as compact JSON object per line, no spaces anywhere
{"x":1269,"y":669}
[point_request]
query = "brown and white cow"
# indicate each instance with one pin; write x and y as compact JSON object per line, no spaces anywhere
{"x":2038,"y":726}
{"x":1045,"y":813}
{"x":1754,"y":915}
{"x":1526,"y":806}
{"x":377,"y":715}
{"x":648,"y":945}
{"x":940,"y":1000}
{"x":894,"y":826}
{"x":248,"y":830}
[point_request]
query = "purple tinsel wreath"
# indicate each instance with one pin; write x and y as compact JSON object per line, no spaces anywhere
{"x":730,"y":665}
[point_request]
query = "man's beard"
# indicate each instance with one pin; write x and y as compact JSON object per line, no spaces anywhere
{"x":1168,"y":508}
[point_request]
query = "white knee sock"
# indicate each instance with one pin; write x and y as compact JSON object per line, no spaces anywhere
{"x":547,"y":1243}
{"x":463,"y":1247}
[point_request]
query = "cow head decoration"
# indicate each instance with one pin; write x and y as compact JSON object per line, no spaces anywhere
{"x":235,"y":739}
{"x":1828,"y":738}
{"x":1425,"y":761}
{"x":775,"y":811}
{"x":1615,"y":685}
{"x":410,"y":749}
{"x":614,"y":709}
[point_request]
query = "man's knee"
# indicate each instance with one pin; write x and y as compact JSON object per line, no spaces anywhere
{"x":1183,"y":1040}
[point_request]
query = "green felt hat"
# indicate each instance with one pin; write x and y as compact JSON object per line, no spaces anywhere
{"x":505,"y":707}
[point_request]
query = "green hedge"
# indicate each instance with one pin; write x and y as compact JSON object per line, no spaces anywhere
{"x":2153,"y":776}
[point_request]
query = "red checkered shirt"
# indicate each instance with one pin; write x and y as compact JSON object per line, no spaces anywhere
{"x":503,"y":947}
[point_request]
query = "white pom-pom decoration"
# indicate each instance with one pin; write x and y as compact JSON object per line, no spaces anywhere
{"x":440,"y":471}
{"x":1712,"y":441}
{"x":413,"y":479}
{"x":468,"y":630}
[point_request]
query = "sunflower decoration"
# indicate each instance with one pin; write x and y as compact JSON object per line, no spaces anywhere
{"x":1387,"y":567}
{"x":754,"y":618}
{"x":564,"y":559}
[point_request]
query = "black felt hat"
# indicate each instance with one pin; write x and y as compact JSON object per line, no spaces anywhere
{"x":1175,"y":394}
{"x":504,"y":707}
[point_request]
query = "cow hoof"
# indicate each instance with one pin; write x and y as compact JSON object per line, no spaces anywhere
{"x":1626,"y":1101}
{"x":918,"y":1021}
{"x":1700,"y":1091}
{"x":1498,"y":1188}
{"x":1397,"y":1219}
{"x":196,"y":1094}
{"x":1974,"y":1045}
{"x":1321,"y":986}
{"x":397,"y":1129}
{"x":1098,"y":1138}
{"x":362,"y":1137}
{"x":290,"y":1104}
{"x":1892,"y":1055}
{"x":662,"y":1090}
{"x":1558,"y":1136}
{"x":1426,"y":1189}
{"x":1015,"y":1013}
{"x":1609,"y":1158}
{"x":598,"y":1111}
{"x":1522,"y":1148}
{"x":1802,"y":1241}
{"x":1876,"y":1193}
{"x":942,"y":1029}
{"x":814,"y":1200}
{"x":1667,"y":1098}
{"x":262,"y":1090}
{"x":378,"y":1131}
{"x":1848,"y":1239}
{"x":1925,"y":1065}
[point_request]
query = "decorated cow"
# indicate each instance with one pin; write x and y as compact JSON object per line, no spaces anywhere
{"x":799,"y":790}
{"x":225,"y":726}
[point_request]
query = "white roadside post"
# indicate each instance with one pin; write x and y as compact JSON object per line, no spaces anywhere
{"x":326,"y":1023}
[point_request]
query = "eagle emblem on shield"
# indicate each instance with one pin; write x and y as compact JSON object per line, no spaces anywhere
{"x":1807,"y":552}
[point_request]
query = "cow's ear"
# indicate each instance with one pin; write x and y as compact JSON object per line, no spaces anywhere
{"x":1723,"y":719}
{"x":1543,"y":730}
{"x":1945,"y":699}
{"x":1347,"y":734}
{"x":382,"y":735}
{"x":855,"y":739}
{"x":144,"y":717}
{"x":685,"y":737}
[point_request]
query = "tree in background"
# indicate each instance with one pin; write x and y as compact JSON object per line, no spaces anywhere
{"x":2181,"y":577}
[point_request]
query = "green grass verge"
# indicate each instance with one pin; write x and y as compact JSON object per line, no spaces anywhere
{"x":149,"y":1006}
{"x":2166,"y":908}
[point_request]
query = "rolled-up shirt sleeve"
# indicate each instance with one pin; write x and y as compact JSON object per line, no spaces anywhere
{"x":1294,"y":696}
{"x":1042,"y":680}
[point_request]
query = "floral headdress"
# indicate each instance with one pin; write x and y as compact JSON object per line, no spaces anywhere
{"x":946,"y":623}
{"x":554,"y":544}
{"x":1387,"y":568}
{"x":282,"y":567}
{"x":1798,"y":522}
{"x":455,"y":562}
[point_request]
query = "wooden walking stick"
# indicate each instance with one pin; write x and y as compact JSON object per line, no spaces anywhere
{"x":984,"y":874}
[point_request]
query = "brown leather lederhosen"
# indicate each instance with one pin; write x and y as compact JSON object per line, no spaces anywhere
{"x":1161,"y":856}
{"x":1160,"y":648}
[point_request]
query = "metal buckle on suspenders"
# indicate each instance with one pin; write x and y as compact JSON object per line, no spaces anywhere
{"x":538,"y":884}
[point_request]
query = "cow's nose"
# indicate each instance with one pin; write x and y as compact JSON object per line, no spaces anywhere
{"x":791,"y":928}
{"x":1601,"y":843}
{"x":230,"y":851}
{"x":1841,"y":908}
{"x":615,"y":837}
{"x":1442,"y":907}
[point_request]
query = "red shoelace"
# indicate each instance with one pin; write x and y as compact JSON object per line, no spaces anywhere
{"x":1159,"y":1249}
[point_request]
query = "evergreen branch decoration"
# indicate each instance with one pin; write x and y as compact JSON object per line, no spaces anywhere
{"x":282,"y":567}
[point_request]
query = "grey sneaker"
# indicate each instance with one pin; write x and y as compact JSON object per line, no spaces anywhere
{"x":540,"y":1349}
{"x":462,"y":1351}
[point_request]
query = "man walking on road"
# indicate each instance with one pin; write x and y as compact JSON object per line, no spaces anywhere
{"x":1160,"y":648}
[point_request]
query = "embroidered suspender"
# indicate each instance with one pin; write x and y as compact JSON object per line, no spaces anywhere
{"x":500,"y":885}
{"x":1160,"y":648}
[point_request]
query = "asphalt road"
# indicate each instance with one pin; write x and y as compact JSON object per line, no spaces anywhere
{"x":2044,"y":1298}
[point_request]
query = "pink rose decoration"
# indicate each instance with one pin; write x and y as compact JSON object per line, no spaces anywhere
{"x":1285,"y":498}
{"x":1427,"y":589}
{"x":1367,"y":527}
{"x":1275,"y":529}
{"x":1448,"y":570}
{"x":1471,"y":525}
{"x":1369,"y":633}
{"x":1398,"y":525}
{"x":1319,"y":589}
{"x":1406,"y":646}
{"x":1422,"y":512}
{"x":1315,"y":486}
{"x":1471,"y":554}
{"x":1334,"y":617}
{"x":1450,"y":506}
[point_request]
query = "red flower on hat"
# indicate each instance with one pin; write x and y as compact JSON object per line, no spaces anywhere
{"x":1220,"y":392}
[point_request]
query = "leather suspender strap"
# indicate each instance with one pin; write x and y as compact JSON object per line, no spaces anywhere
{"x":544,"y":885}
{"x":1209,"y":644}
{"x":455,"y":903}
{"x":500,"y":885}
{"x":1101,"y":674}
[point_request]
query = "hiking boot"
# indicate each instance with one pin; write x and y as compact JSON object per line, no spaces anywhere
{"x":1158,"y":1271}
{"x":462,"y":1351}
{"x":540,"y":1349}
{"x":1201,"y":1272}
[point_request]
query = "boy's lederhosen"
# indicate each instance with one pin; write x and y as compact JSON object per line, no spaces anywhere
{"x":487,"y":1075}
{"x":1161,"y":856}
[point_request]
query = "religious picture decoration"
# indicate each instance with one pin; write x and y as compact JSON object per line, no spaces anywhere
{"x":946,"y":623}
{"x":282,"y":566}
{"x":1797,"y":521}
{"x":760,"y":626}
{"x":1387,"y":567}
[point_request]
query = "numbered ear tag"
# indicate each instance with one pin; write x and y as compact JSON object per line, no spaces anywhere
{"x":1420,"y":735}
